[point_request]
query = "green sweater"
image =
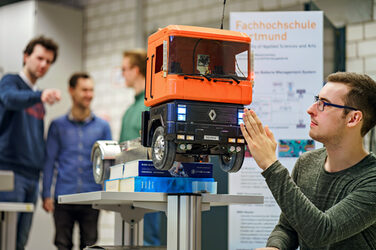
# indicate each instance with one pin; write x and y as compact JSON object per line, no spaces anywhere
{"x":322,"y":210}
{"x":131,"y":122}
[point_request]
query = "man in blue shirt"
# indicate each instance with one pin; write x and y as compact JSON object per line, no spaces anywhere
{"x":69,"y":142}
{"x":22,"y":145}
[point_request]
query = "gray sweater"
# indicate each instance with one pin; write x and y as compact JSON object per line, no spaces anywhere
{"x":322,"y":210}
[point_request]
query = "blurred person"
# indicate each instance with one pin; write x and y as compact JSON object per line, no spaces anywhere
{"x":69,"y":143}
{"x":134,"y":73}
{"x":329,"y":200}
{"x":22,"y":145}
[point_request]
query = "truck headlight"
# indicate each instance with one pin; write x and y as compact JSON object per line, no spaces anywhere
{"x":182,"y":112}
{"x":240,"y":116}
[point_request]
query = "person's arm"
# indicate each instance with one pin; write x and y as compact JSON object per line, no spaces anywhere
{"x":283,"y":235}
{"x":348,"y":217}
{"x":16,"y":99}
{"x":50,"y":96}
{"x":52,"y":150}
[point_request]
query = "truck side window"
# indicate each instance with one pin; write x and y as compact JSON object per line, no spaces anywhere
{"x":158,"y":59}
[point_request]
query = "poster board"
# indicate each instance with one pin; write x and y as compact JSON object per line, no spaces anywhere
{"x":288,"y":68}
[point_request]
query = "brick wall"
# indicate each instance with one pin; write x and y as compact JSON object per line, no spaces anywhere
{"x":361,"y":55}
{"x":110,"y":28}
{"x":361,"y":44}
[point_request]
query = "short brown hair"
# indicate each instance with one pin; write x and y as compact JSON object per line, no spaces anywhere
{"x":362,"y":96}
{"x":137,"y":58}
{"x":74,"y":78}
{"x":47,"y":43}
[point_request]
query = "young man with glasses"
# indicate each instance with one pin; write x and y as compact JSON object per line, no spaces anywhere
{"x":329,"y":201}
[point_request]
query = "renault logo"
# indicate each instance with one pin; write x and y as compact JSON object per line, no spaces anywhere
{"x":212,"y":115}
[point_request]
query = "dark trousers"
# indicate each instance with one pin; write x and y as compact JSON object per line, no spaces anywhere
{"x":66,"y":215}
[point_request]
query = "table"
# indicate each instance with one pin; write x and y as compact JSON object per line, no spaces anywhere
{"x":183,"y":211}
{"x":8,"y":222}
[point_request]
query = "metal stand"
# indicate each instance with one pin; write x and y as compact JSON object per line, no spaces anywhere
{"x":9,"y":213}
{"x":8,"y":222}
{"x":133,"y":217}
{"x":183,"y":211}
{"x":184,"y":222}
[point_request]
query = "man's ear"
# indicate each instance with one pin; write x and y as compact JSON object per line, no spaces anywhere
{"x":24,"y":58}
{"x":137,"y":69}
{"x":354,"y":118}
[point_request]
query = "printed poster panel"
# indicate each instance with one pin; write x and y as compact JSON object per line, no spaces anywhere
{"x":288,"y":68}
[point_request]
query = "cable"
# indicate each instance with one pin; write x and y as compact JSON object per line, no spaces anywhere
{"x":223,"y":13}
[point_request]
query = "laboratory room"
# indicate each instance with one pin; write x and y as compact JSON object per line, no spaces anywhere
{"x":176,"y":125}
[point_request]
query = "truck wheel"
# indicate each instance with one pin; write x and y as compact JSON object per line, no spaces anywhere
{"x":232,"y":163}
{"x":162,"y":151}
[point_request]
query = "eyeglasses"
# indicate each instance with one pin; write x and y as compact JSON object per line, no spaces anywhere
{"x":321,"y":105}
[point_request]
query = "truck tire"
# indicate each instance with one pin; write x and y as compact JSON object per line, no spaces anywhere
{"x":162,"y":151}
{"x":232,"y":163}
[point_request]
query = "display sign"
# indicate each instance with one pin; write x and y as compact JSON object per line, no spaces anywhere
{"x":288,"y":68}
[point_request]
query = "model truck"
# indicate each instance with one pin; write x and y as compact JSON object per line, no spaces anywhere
{"x":196,"y":91}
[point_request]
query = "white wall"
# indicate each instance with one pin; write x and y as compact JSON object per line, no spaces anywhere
{"x":19,"y":23}
{"x":361,"y":44}
{"x":16,"y":28}
{"x":361,"y":52}
{"x":65,"y":26}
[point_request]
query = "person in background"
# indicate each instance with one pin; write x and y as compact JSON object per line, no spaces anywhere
{"x":69,"y":142}
{"x":329,"y":200}
{"x":22,"y":111}
{"x":134,"y":73}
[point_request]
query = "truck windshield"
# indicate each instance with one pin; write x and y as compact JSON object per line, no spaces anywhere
{"x":211,"y":58}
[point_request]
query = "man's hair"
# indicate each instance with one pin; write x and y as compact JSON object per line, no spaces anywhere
{"x":137,"y":58}
{"x":74,"y":78}
{"x":362,"y":96}
{"x":47,"y":43}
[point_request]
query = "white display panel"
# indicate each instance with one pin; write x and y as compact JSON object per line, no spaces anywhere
{"x":288,"y":67}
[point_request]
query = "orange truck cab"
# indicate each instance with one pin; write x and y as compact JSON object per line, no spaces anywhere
{"x":196,"y":91}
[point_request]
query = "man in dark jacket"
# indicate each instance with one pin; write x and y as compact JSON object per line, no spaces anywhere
{"x":21,"y":127}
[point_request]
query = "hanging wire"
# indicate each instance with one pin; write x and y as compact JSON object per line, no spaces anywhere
{"x":223,"y":13}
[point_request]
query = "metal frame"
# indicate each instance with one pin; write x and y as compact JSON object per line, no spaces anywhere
{"x":8,"y":222}
{"x":183,"y":211}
